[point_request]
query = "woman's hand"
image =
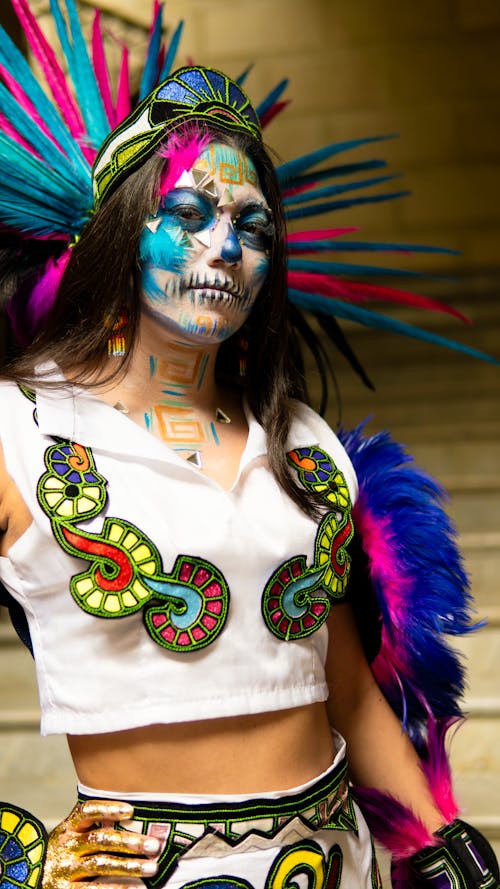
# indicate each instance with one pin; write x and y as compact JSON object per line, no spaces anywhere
{"x":86,"y":845}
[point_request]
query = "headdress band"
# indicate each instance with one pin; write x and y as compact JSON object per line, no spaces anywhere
{"x":191,"y":94}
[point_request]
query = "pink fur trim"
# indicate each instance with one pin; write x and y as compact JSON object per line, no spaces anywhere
{"x":393,"y":824}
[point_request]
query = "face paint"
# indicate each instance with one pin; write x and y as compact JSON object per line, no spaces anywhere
{"x":205,"y":261}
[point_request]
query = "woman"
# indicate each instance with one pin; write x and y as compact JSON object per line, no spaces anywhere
{"x":157,"y":466}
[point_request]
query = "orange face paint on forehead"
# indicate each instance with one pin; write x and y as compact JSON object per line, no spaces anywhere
{"x":230,"y":165}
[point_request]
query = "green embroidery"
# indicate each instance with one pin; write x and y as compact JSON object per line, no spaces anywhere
{"x":182,"y":611}
{"x":292,"y":604}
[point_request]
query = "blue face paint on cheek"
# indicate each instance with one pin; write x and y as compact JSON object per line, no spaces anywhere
{"x":163,"y":249}
{"x":261,"y":271}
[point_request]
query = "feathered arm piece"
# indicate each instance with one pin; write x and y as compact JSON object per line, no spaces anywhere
{"x":414,"y":588}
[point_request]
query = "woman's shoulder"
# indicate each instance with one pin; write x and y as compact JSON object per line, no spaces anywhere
{"x":309,"y":429}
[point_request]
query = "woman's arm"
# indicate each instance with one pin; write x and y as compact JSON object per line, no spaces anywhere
{"x":380,"y":754}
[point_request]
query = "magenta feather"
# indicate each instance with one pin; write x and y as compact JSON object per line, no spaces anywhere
{"x":393,"y":824}
{"x":359,"y":292}
{"x":101,"y":70}
{"x":9,"y":130}
{"x":436,"y":765}
{"x":320,"y":234}
{"x":40,"y":302}
{"x":181,"y":151}
{"x":51,"y":69}
{"x":27,"y":105}
{"x":123,"y":97}
{"x":273,"y":112}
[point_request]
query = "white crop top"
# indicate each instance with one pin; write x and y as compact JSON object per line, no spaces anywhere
{"x":152,"y":594}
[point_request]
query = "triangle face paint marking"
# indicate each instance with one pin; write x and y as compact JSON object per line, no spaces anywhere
{"x":204,"y":237}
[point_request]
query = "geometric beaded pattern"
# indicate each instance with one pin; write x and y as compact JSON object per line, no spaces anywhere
{"x":298,"y":597}
{"x":183,"y":610}
{"x":23,"y":841}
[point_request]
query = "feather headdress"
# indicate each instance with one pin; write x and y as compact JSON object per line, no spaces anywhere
{"x":49,"y":146}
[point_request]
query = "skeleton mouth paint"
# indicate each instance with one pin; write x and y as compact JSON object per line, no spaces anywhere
{"x":205,"y":261}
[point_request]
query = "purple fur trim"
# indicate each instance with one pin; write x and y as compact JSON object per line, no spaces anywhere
{"x":393,"y":824}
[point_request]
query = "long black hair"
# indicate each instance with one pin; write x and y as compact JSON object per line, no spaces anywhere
{"x":103,"y":281}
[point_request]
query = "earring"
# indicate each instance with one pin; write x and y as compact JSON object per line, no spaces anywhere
{"x":117,"y":341}
{"x":242,"y":355}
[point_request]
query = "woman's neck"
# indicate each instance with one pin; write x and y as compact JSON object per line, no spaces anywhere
{"x":170,"y":388}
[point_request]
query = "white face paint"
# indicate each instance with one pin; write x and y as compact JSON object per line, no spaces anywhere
{"x":205,"y":255}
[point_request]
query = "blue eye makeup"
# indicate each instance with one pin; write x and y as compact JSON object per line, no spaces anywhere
{"x":255,"y":227}
{"x":188,"y":209}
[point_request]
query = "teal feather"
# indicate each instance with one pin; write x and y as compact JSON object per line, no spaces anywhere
{"x":173,"y":47}
{"x":244,"y":75}
{"x":333,"y":172}
{"x":273,"y":97}
{"x":340,"y":246}
{"x":16,"y":64}
{"x":317,"y":209}
{"x":292,"y":168}
{"x":321,"y":267}
{"x":330,"y":190}
{"x":150,"y":71}
{"x":316,"y":303}
{"x":31,"y":132}
{"x":81,"y":72}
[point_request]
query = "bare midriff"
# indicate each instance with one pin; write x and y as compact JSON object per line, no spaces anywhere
{"x":243,"y":754}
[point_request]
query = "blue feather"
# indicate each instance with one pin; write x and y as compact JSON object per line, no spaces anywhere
{"x":292,"y":168}
{"x":18,"y":67}
{"x":341,"y":246}
{"x":317,"y":209}
{"x":346,"y":268}
{"x":244,"y":75}
{"x":273,"y":97}
{"x":333,"y":172}
{"x":326,"y":192}
{"x":409,"y":505}
{"x":150,"y":70}
{"x":81,"y":72}
{"x":24,"y":124}
{"x":314,"y":302}
{"x":173,"y":46}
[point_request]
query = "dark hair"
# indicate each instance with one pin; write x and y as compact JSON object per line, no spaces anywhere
{"x":103,"y":280}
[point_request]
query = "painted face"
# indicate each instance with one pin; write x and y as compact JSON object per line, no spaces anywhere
{"x":205,"y":255}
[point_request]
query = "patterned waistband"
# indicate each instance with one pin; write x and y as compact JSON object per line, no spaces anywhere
{"x":219,"y":828}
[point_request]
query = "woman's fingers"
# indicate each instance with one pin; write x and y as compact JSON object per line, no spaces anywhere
{"x":93,"y":811}
{"x":103,"y":865}
{"x":128,"y":843}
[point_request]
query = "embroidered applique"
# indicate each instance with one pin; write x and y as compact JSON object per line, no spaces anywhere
{"x":23,"y":843}
{"x":306,"y":859}
{"x":183,"y":611}
{"x":297,"y":599}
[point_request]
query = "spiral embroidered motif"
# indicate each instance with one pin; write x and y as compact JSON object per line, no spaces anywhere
{"x":297,"y":599}
{"x":182,"y":611}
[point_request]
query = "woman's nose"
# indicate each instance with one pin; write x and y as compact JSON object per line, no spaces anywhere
{"x":226,"y":245}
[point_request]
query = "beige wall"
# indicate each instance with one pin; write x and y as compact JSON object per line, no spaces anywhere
{"x":427,"y":70}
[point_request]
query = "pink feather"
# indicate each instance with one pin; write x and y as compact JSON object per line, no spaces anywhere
{"x":273,"y":112}
{"x":51,"y":68}
{"x":320,"y":234}
{"x":27,"y":105}
{"x":101,"y":69}
{"x":9,"y":130}
{"x":123,"y":99}
{"x":393,"y":824}
{"x":181,"y":151}
{"x":437,"y":766}
{"x":41,"y":300}
{"x":356,"y":292}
